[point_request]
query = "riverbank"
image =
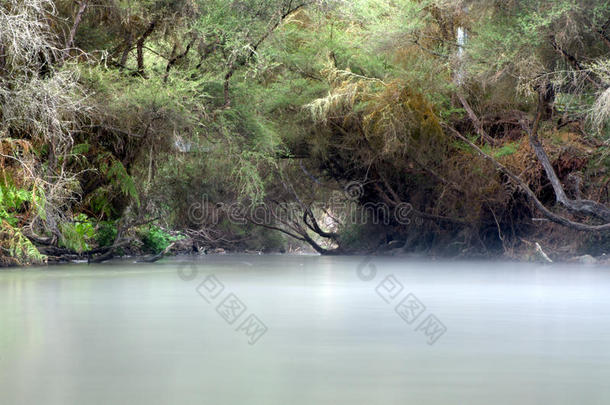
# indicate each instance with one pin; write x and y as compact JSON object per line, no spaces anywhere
{"x":186,"y":248}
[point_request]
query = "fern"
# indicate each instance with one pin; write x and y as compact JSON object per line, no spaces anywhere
{"x":17,"y":247}
{"x":119,"y":176}
{"x":13,"y":201}
{"x":76,"y":235}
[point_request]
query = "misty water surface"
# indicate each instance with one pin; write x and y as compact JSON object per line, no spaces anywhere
{"x":305,"y":330}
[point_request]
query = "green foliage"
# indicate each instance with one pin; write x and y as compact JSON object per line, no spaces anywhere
{"x":101,"y":202}
{"x":119,"y":183}
{"x":12,"y":202}
{"x":156,"y":239}
{"x":84,"y":226}
{"x":119,"y":177}
{"x":105,"y":233}
{"x":17,"y":246}
{"x":504,"y":150}
{"x":77,"y":235}
{"x":526,"y":42}
{"x":83,"y":231}
{"x":225,"y":98}
{"x":81,"y":148}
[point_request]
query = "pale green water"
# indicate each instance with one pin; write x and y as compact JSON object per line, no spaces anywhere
{"x":128,"y":333}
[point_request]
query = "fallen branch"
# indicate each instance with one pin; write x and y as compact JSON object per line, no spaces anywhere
{"x":109,"y":252}
{"x":158,"y":256}
{"x":475,"y":120}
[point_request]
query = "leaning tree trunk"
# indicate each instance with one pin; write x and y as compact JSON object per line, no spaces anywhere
{"x":579,"y":206}
{"x":82,"y":6}
{"x":550,"y":215}
{"x":140,"y":46}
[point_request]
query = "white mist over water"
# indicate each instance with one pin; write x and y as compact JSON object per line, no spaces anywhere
{"x":124,"y":333}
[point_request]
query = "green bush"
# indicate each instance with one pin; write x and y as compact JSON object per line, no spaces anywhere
{"x":77,"y":235}
{"x":155,"y":239}
{"x":12,"y":201}
{"x":105,"y":233}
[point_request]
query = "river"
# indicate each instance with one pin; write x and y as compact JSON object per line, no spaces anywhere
{"x":305,"y":330}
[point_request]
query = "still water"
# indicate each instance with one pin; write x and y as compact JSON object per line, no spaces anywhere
{"x":305,"y":330}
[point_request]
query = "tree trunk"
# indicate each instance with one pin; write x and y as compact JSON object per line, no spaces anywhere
{"x":140,"y":46}
{"x":125,"y":54}
{"x":175,"y":58}
{"x":77,"y":20}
